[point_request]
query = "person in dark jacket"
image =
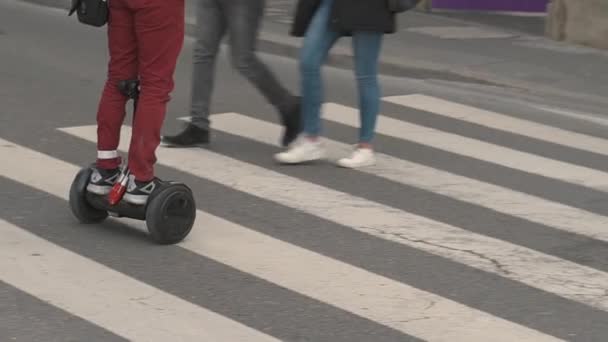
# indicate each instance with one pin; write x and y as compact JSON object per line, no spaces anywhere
{"x":145,"y":39}
{"x":322,"y":23}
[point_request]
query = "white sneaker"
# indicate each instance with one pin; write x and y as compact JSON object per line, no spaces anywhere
{"x":359,"y":158}
{"x":301,"y":151}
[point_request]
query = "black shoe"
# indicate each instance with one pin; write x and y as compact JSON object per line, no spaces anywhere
{"x":290,"y":118}
{"x":102,"y":180}
{"x":191,"y":136}
{"x":138,"y":192}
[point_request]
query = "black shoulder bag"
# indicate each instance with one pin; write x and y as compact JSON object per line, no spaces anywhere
{"x":91,"y":12}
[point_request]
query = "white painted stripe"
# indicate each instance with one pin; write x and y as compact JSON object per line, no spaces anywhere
{"x":473,"y":148}
{"x":386,"y":301}
{"x":521,"y":264}
{"x":109,"y":299}
{"x":107,"y":154}
{"x":593,"y":118}
{"x":501,"y":122}
{"x":91,"y":290}
{"x":490,"y":196}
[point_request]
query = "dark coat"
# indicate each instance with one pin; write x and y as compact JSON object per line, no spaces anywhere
{"x":347,"y":16}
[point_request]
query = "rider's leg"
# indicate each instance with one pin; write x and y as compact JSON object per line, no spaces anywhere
{"x":111,"y":110}
{"x":159,"y":27}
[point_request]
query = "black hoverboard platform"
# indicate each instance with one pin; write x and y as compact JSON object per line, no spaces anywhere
{"x":169,"y":213}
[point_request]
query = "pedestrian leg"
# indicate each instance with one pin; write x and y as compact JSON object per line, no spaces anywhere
{"x":366,"y":46}
{"x":244,"y":22}
{"x":318,"y":41}
{"x":211,"y":23}
{"x":160,"y":35}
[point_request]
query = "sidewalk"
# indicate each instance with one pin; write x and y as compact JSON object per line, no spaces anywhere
{"x":437,"y":46}
{"x":432,"y":46}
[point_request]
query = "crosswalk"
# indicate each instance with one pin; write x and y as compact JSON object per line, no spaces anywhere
{"x":468,"y":283}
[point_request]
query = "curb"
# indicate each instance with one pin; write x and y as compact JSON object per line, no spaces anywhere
{"x":283,"y":45}
{"x":286,"y":46}
{"x":342,"y":58}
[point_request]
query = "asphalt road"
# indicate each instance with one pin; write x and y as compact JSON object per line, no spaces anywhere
{"x":484,"y":220}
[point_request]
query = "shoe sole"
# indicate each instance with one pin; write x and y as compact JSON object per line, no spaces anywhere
{"x":135,"y":199}
{"x":355,"y":166}
{"x":167,"y":145}
{"x":317,"y":157}
{"x":99,"y":189}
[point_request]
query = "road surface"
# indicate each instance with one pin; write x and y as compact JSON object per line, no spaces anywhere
{"x":485,"y":219}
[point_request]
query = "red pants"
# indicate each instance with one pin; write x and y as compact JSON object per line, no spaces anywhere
{"x":145,"y":39}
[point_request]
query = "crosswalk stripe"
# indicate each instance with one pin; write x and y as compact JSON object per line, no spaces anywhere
{"x":473,"y":148}
{"x":383,"y":300}
{"x":584,"y":116}
{"x":378,"y":298}
{"x":114,"y":301}
{"x":501,"y":122}
{"x":497,"y":198}
{"x":521,"y":264}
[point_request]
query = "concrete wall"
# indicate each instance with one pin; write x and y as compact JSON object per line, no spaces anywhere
{"x":579,"y":21}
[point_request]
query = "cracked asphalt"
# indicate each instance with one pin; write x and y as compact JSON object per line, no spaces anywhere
{"x":445,"y":239}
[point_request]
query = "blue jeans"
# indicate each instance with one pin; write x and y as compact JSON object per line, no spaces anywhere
{"x":318,"y":41}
